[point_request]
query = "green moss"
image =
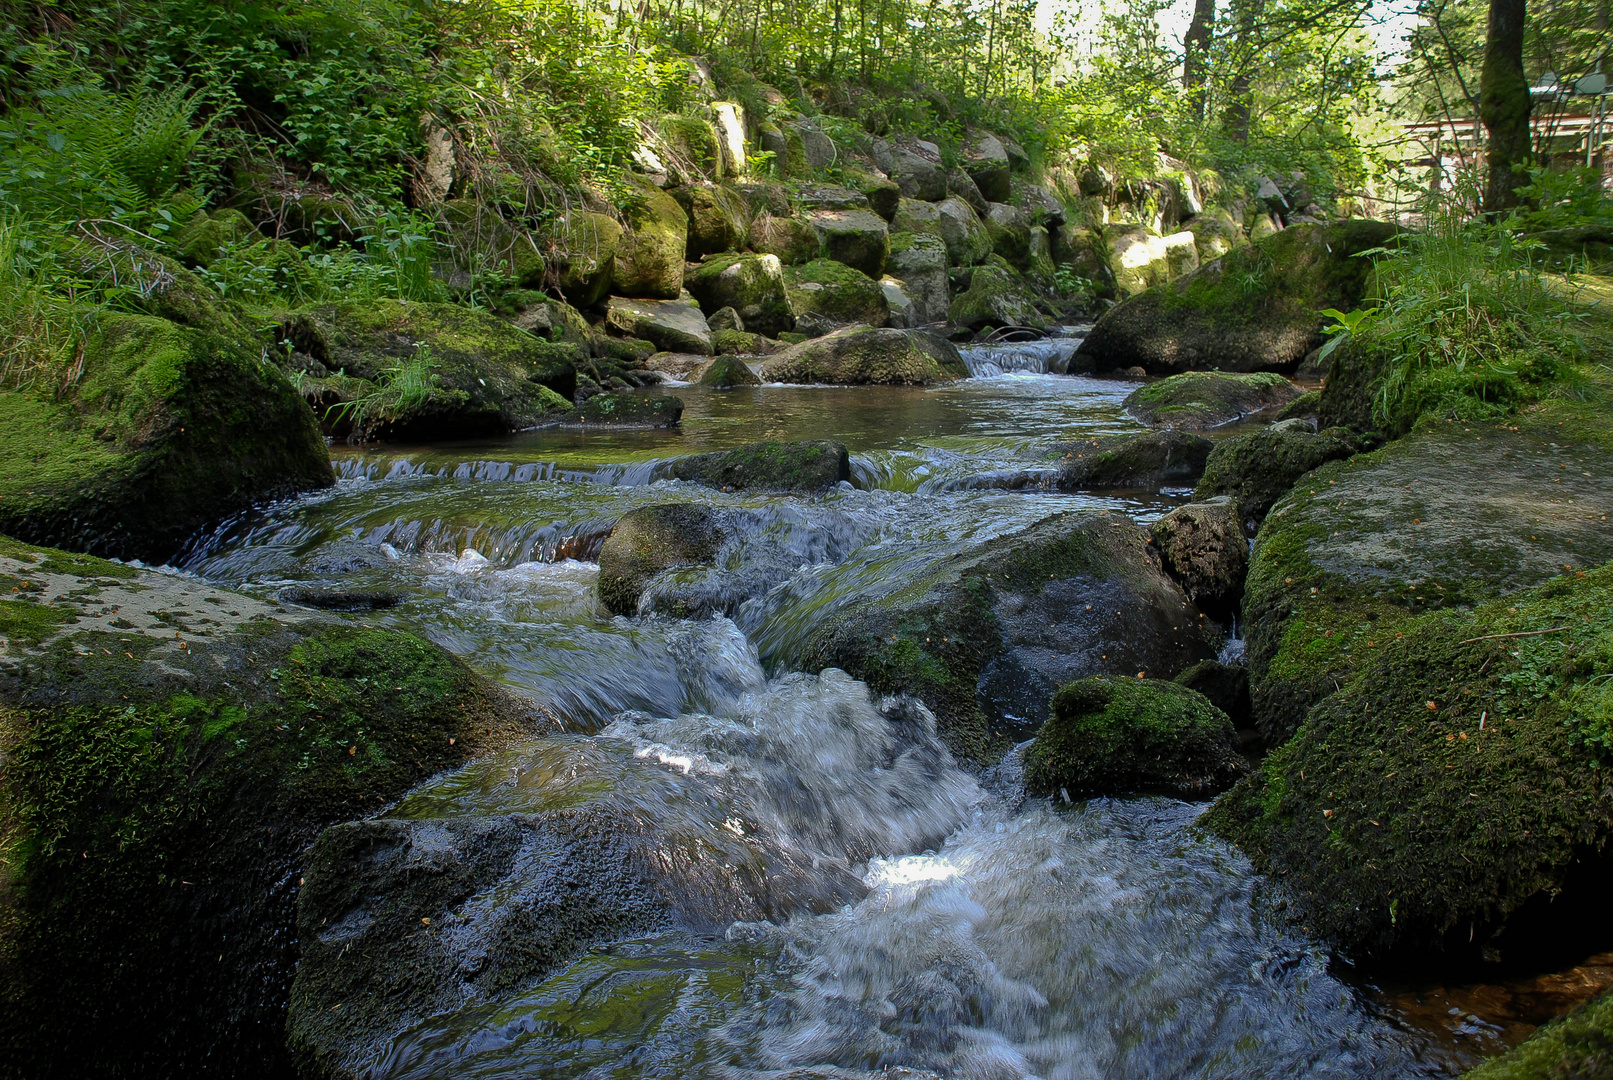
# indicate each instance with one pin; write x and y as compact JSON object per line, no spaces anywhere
{"x":649,"y":260}
{"x":1579,"y":1045}
{"x":647,"y":541}
{"x":31,"y":622}
{"x":1110,"y":735}
{"x":1195,"y":400}
{"x":998,"y":295}
{"x":1259,"y":468}
{"x":1397,"y":821}
{"x":801,"y":467}
{"x":835,"y":292}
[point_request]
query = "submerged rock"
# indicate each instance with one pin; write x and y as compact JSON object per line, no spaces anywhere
{"x":1203,"y":548}
{"x":1152,"y":459}
{"x":629,"y":411}
{"x":804,"y":468}
{"x":1111,"y":735}
{"x":170,"y":751}
{"x":647,"y":541}
{"x":860,"y":354}
{"x":728,"y":371}
{"x":1257,"y":469}
{"x":1197,"y":400}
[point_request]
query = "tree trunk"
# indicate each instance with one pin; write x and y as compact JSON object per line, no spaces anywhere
{"x":1196,"y":55}
{"x":1236,"y":122}
{"x":1504,"y":104}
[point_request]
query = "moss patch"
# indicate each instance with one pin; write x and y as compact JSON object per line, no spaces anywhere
{"x":835,"y":292}
{"x":1257,"y":469}
{"x":809,"y":468}
{"x":649,"y":540}
{"x":1196,"y":400}
{"x":1570,"y":1047}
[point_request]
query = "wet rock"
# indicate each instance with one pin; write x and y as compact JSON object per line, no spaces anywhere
{"x":739,"y":343}
{"x":986,"y":160}
{"x":628,"y":411}
{"x":1203,"y":548}
{"x":1197,"y":400}
{"x":919,"y":262}
{"x":1257,"y":469}
{"x":1574,"y":1045}
{"x":226,"y":750}
{"x":752,"y":285}
{"x":673,"y":325}
{"x":799,"y":468}
{"x":825,"y":294}
{"x":858,"y":238}
{"x":856,"y":355}
{"x":633,"y":351}
{"x":997,"y":295}
{"x":719,"y":220}
{"x":649,"y":540}
{"x":1226,"y":686}
{"x":678,"y":366}
{"x":1152,"y":460}
{"x":649,"y":258}
{"x":1257,"y":308}
{"x":984,"y":635}
{"x":728,"y":371}
{"x":1113,"y":735}
{"x":341,"y":599}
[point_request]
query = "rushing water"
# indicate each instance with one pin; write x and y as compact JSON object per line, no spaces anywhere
{"x":994,"y":938}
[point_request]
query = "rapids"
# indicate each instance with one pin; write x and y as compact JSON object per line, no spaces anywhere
{"x":994,"y":938}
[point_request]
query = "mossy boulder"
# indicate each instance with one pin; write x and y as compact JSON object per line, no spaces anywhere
{"x":166,"y":429}
{"x":628,"y":411}
{"x":168,"y":751}
{"x":1137,"y":260}
{"x":858,"y":238}
{"x":1215,"y":233}
{"x":477,"y":237}
{"x":825,"y":294}
{"x":489,"y":376}
{"x":695,"y":143}
{"x":998,"y":295}
{"x":797,"y":468}
{"x":1257,"y":469}
{"x":719,"y":220}
{"x":1225,"y":685}
{"x":883,"y":195}
{"x":986,"y":161}
{"x":585,"y":246}
{"x":916,"y":168}
{"x":1257,"y":308}
{"x":752,"y":285}
{"x":1578,"y":1046}
{"x":856,"y":355}
{"x":1203,"y":548}
{"x":650,"y":256}
{"x":728,"y":371}
{"x":1451,"y":796}
{"x":984,"y":634}
{"x":791,"y":238}
{"x":650,"y":540}
{"x":672,"y":325}
{"x":967,"y":239}
{"x":1150,"y":459}
{"x":919,"y":262}
{"x":731,"y":343}
{"x":1113,"y":735}
{"x":1197,"y":400}
{"x":1010,"y":232}
{"x":1453,"y":515}
{"x":1086,"y":252}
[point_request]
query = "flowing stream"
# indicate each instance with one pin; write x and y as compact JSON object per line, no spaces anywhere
{"x":935,"y":920}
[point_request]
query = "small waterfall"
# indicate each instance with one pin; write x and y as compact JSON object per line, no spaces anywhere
{"x":387,"y":467}
{"x":1050,"y":356}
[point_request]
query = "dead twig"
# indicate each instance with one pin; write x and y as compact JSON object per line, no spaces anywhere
{"x":1521,"y":633}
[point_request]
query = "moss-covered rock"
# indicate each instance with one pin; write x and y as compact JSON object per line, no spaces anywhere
{"x":1453,"y":795}
{"x":860,"y":354}
{"x":205,"y":237}
{"x":1151,"y":459}
{"x":858,"y":238}
{"x":728,"y":371}
{"x":165,"y":430}
{"x":1257,"y":308}
{"x":1257,"y":469}
{"x":1086,"y":252}
{"x":719,"y":219}
{"x":916,"y":168}
{"x":1112,"y":735}
{"x":1215,"y":233}
{"x":968,"y":242}
{"x":1010,"y":232}
{"x":1578,"y":1046}
{"x":883,"y":195}
{"x":731,"y":343}
{"x":791,"y":238}
{"x":649,"y":259}
{"x":986,"y":161}
{"x":984,"y":635}
{"x":489,"y":376}
{"x":478,"y":238}
{"x":167,"y":753}
{"x":1203,"y":548}
{"x":998,"y":295}
{"x":695,"y":143}
{"x":629,"y":411}
{"x":585,"y":246}
{"x":649,"y":540}
{"x":1450,"y":516}
{"x":800,"y":468}
{"x":752,"y":285}
{"x":919,"y":262}
{"x":1225,"y":685}
{"x":824,"y":294}
{"x":673,"y":325}
{"x":1197,"y":400}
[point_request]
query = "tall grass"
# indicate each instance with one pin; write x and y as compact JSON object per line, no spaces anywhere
{"x":43,"y":324}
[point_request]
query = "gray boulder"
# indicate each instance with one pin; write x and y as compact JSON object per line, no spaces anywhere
{"x":1202,"y":546}
{"x":858,"y":238}
{"x":861,"y":354}
{"x":986,"y":160}
{"x":672,"y":325}
{"x":1197,"y":400}
{"x":916,"y":167}
{"x":919,"y":261}
{"x":751,"y":285}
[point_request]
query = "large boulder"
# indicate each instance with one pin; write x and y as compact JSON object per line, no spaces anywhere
{"x":825,"y":294}
{"x":752,"y":285}
{"x":1215,"y":233}
{"x":1010,"y":232}
{"x":1257,"y":469}
{"x":168,"y":751}
{"x":728,"y":371}
{"x":719,"y":219}
{"x":672,"y":325}
{"x":167,"y":429}
{"x":1138,"y":260}
{"x":916,"y":167}
{"x":585,"y":246}
{"x":997,"y":296}
{"x":648,"y":541}
{"x":986,"y":160}
{"x":1151,"y":459}
{"x":919,"y":262}
{"x":1257,"y":308}
{"x":968,"y":242}
{"x":797,"y":468}
{"x":857,"y":238}
{"x":1197,"y":400}
{"x":855,"y":355}
{"x":985,"y":634}
{"x":477,"y":374}
{"x":791,"y":238}
{"x":650,"y":256}
{"x":882,"y":194}
{"x":1453,"y":515}
{"x":1202,"y":546}
{"x":1114,"y":735}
